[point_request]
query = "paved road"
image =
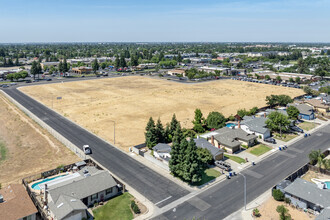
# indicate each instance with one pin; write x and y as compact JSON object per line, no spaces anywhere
{"x":150,"y":184}
{"x":227,"y":197}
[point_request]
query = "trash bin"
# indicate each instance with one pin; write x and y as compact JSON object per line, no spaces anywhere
{"x":279,"y":148}
{"x":253,"y":163}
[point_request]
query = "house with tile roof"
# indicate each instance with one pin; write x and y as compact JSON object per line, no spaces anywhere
{"x":15,"y":203}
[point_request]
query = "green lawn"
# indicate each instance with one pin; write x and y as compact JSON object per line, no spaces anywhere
{"x":208,"y":175}
{"x":306,"y":126}
{"x":235,"y":158}
{"x":116,"y":208}
{"x":3,"y":151}
{"x":259,"y":149}
{"x":285,"y":137}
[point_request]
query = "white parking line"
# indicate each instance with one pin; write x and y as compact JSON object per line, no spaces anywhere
{"x":163,"y":200}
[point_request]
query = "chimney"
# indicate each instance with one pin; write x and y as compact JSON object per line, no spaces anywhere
{"x":265,"y":115}
{"x":212,"y":140}
{"x":239,"y":124}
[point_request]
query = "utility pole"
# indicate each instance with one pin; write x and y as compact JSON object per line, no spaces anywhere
{"x":244,"y":191}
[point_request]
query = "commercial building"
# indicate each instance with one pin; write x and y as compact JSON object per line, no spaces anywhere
{"x":82,"y":70}
{"x":177,"y":72}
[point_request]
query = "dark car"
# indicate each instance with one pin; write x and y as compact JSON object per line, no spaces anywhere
{"x":28,"y":81}
{"x":49,"y":79}
{"x":270,"y":140}
{"x":5,"y":86}
{"x":297,"y":129}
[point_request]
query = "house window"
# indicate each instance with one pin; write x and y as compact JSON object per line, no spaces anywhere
{"x":94,"y":196}
{"x":108,"y":191}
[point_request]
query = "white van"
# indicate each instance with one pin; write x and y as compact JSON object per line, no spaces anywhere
{"x":87,"y":149}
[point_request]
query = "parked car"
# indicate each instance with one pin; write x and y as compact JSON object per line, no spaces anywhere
{"x":5,"y":86}
{"x":28,"y":81}
{"x":297,"y":129}
{"x":49,"y":79}
{"x":87,"y":150}
{"x":270,"y":140}
{"x":223,"y":165}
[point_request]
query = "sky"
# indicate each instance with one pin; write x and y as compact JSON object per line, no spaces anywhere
{"x":164,"y":21}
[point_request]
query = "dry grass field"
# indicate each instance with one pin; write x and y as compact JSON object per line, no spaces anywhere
{"x":27,"y":149}
{"x":130,"y":101}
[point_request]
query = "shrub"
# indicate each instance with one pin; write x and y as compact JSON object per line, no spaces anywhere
{"x":287,"y":200}
{"x":135,"y":208}
{"x":278,"y":195}
{"x":256,"y":212}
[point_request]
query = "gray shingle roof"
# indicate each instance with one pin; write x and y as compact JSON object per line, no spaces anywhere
{"x":229,"y":137}
{"x":65,"y":205}
{"x":84,"y":187}
{"x":255,"y":124}
{"x":164,"y":148}
{"x":303,"y":108}
{"x":310,"y":192}
{"x":324,"y":215}
{"x":203,"y":143}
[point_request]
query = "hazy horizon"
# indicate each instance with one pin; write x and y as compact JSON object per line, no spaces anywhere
{"x":147,"y":21}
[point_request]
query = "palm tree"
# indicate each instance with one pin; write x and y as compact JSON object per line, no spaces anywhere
{"x":316,"y":156}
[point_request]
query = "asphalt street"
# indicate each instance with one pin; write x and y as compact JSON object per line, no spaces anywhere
{"x":155,"y":187}
{"x":227,"y":197}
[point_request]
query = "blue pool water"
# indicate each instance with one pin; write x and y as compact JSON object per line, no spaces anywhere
{"x":327,"y":184}
{"x":36,"y":185}
{"x":230,"y":125}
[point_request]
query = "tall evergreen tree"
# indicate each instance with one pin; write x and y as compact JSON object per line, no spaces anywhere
{"x":16,"y":61}
{"x":160,"y":132}
{"x":34,"y":69}
{"x":95,"y":65}
{"x":175,"y":151}
{"x":198,"y":121}
{"x":150,"y":135}
{"x":122,"y":62}
{"x":65,"y":66}
{"x":193,"y":167}
{"x":168,"y":137}
{"x":173,"y":125}
{"x":117,"y":62}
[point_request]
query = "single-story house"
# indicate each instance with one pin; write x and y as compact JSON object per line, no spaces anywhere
{"x":162,"y":151}
{"x":15,"y":203}
{"x":176,"y":72}
{"x":282,"y":185}
{"x":217,"y":153}
{"x":256,"y":126}
{"x":70,"y":198}
{"x":305,"y":111}
{"x":318,"y":105}
{"x":307,"y":195}
{"x":231,"y":139}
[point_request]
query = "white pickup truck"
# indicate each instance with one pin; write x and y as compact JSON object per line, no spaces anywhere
{"x":87,"y":150}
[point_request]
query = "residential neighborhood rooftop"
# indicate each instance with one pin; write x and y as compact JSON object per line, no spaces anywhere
{"x":16,"y":203}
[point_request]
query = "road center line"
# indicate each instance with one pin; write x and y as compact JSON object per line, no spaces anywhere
{"x":163,"y":200}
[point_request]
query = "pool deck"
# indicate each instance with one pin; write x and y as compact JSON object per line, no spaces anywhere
{"x":39,"y":191}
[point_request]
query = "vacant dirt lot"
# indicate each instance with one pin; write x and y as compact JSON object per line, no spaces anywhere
{"x":30,"y":149}
{"x":130,"y":101}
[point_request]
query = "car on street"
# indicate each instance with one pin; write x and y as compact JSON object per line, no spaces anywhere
{"x":5,"y":86}
{"x":270,"y":140}
{"x":28,"y":81}
{"x":87,"y":150}
{"x":49,"y":80}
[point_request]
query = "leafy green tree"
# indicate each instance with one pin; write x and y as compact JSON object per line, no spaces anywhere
{"x":283,"y":212}
{"x":278,"y":78}
{"x":35,"y":69}
{"x":168,"y":136}
{"x":66,"y":66}
{"x":267,"y":77}
{"x":298,"y":79}
{"x":278,"y":195}
{"x":95,"y":65}
{"x":242,"y":112}
{"x":293,"y":112}
{"x":283,"y":100}
{"x":150,"y":135}
{"x":277,"y":122}
{"x":253,"y":111}
{"x":122,"y":62}
{"x":291,"y":80}
{"x":10,"y":76}
{"x":198,"y":121}
{"x":271,"y":100}
{"x":308,"y":90}
{"x":215,"y":120}
{"x":193,"y":167}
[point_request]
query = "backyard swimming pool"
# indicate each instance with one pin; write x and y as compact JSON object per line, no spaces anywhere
{"x":229,"y":125}
{"x":327,"y":184}
{"x":36,"y":185}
